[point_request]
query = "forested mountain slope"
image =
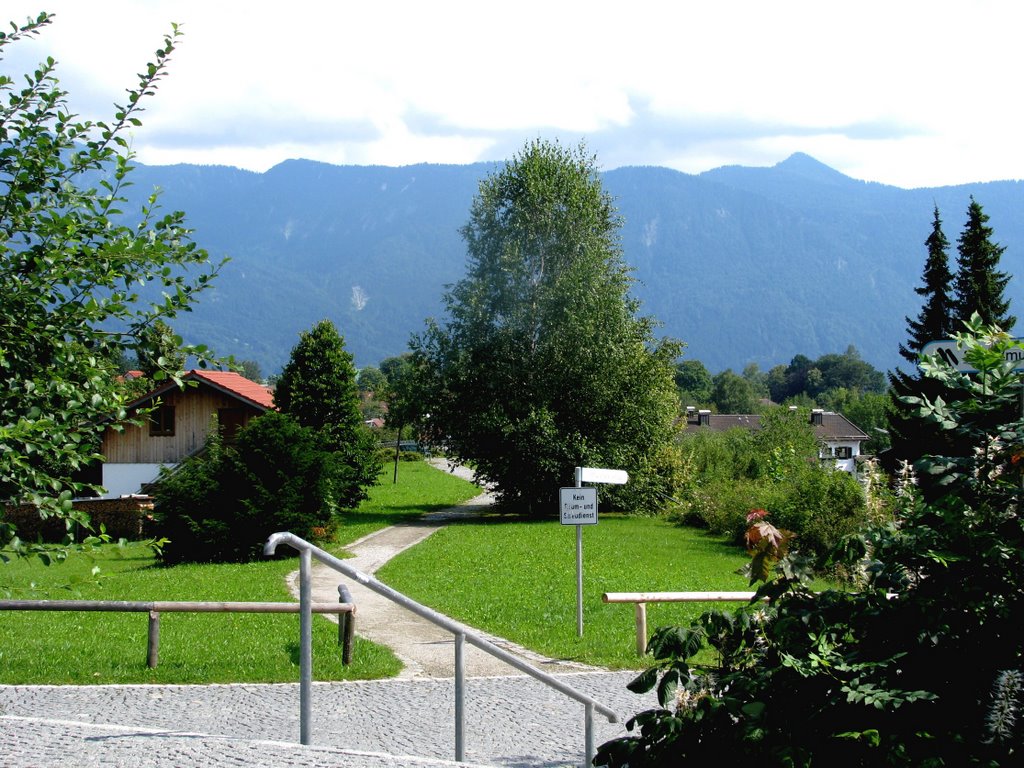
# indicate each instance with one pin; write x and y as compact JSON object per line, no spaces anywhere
{"x":743,"y":264}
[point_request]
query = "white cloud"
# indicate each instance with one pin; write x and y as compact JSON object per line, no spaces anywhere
{"x":912,"y":93}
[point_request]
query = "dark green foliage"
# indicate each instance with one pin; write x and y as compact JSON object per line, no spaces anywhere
{"x":979,"y":283}
{"x":937,"y":319}
{"x":733,"y":394}
{"x":543,"y":363}
{"x":371,"y":380}
{"x":317,"y":388}
{"x":71,"y":263}
{"x":821,"y":506}
{"x":817,"y":378}
{"x":250,"y":369}
{"x":318,"y":384}
{"x":222,"y":504}
{"x":777,"y":469}
{"x":159,"y":349}
{"x":978,"y":288}
{"x":694,"y":383}
{"x":920,"y":666}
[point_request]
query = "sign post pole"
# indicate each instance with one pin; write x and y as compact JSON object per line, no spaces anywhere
{"x":579,"y":564}
{"x":578,"y":506}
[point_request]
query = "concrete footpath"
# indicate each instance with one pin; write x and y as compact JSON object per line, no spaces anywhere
{"x":427,"y":651}
{"x":511,"y":719}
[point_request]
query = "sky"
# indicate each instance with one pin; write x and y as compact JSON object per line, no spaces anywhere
{"x":903,"y":92}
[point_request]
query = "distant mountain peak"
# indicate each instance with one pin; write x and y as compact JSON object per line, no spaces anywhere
{"x":805,"y":166}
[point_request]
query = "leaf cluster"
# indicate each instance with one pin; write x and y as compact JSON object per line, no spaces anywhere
{"x":73,"y":264}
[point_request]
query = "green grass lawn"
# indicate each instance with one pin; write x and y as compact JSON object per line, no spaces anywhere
{"x":512,"y":578}
{"x":48,"y":647}
{"x":518,"y":580}
{"x":420,"y":489}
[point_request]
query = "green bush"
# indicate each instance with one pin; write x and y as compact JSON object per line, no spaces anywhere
{"x":276,"y":476}
{"x":722,"y":506}
{"x":776,"y":468}
{"x":821,"y":505}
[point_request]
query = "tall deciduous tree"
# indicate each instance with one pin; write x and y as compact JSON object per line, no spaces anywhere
{"x":317,"y":388}
{"x":71,"y":262}
{"x":543,"y":363}
{"x":733,"y":394}
{"x":694,"y":382}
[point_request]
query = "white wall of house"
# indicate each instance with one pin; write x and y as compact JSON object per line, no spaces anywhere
{"x":845,"y":453}
{"x":125,"y":479}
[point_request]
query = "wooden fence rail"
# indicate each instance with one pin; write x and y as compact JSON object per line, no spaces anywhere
{"x":345,"y":610}
{"x":640,"y":599}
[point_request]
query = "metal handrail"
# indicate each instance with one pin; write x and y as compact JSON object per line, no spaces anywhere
{"x":462,"y":635}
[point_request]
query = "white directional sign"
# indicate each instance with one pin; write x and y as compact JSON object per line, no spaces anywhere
{"x":578,"y":506}
{"x":595,"y":475}
{"x":949,"y":352}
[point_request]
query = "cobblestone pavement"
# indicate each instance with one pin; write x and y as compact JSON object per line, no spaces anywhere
{"x":511,"y":721}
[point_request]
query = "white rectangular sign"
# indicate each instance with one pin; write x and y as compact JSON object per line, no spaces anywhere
{"x":595,"y":475}
{"x":577,"y":506}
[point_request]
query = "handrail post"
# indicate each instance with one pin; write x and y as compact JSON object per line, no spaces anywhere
{"x":346,"y":626}
{"x":305,"y":645}
{"x":588,"y":729}
{"x":460,"y":697}
{"x":308,"y":550}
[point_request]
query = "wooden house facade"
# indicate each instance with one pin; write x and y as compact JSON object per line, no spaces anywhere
{"x":178,"y":426}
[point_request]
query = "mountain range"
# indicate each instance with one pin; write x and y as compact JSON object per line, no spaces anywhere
{"x":745,"y":265}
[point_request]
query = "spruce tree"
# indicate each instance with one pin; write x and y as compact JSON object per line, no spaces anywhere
{"x":979,"y":283}
{"x":935,"y":321}
{"x":317,"y":388}
{"x":976,"y":288}
{"x":910,"y":438}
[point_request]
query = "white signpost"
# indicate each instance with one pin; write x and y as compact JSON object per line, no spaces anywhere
{"x":578,"y":506}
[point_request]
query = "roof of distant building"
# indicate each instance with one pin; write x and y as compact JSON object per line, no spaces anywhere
{"x":228,"y":382}
{"x":832,"y":426}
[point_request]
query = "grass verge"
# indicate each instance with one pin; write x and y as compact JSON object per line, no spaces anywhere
{"x":518,"y":580}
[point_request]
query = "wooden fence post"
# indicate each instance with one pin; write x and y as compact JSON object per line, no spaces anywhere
{"x":153,"y":644}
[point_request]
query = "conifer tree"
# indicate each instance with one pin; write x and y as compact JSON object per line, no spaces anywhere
{"x":979,"y":283}
{"x":909,"y":437}
{"x":317,"y":386}
{"x":317,"y":389}
{"x":976,"y":288}
{"x":935,"y":320}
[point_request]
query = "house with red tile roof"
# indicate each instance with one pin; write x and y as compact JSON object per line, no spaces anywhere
{"x":840,"y":439}
{"x":177,"y":426}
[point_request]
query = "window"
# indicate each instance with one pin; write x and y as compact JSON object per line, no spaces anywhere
{"x":161,"y":421}
{"x":842,"y":452}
